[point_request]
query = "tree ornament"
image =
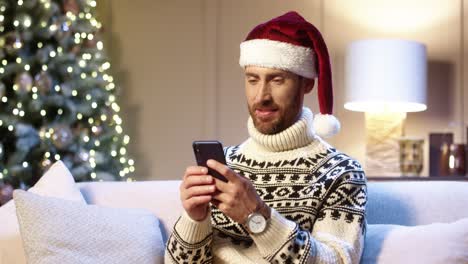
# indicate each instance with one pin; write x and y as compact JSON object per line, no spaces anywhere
{"x":43,"y":82}
{"x":2,"y":154}
{"x":99,"y":157}
{"x":82,"y":156}
{"x":67,"y":89}
{"x":62,"y":25}
{"x":36,"y":105}
{"x":27,"y":137}
{"x":51,"y":30}
{"x":62,"y":136}
{"x":42,"y":131}
{"x":42,"y":54}
{"x":13,"y":43}
{"x":75,"y":49}
{"x":45,"y":164}
{"x":71,"y":6}
{"x":6,"y":193}
{"x":91,"y":43}
{"x":24,"y":82}
{"x":97,"y":129}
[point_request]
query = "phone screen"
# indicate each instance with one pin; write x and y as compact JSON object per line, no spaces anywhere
{"x":205,"y":150}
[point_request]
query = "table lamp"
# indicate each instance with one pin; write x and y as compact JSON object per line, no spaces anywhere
{"x":385,"y":79}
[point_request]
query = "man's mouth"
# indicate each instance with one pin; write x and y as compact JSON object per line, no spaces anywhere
{"x":265,"y":113}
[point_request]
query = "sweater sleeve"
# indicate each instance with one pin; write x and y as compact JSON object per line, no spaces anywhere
{"x":190,"y":241}
{"x":337,"y":235}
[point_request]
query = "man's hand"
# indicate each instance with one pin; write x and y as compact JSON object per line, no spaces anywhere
{"x":196,"y":191}
{"x":236,"y":198}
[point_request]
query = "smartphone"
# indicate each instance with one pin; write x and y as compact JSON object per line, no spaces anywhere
{"x":205,"y":150}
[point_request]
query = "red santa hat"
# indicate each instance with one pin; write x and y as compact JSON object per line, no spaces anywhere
{"x":290,"y":43}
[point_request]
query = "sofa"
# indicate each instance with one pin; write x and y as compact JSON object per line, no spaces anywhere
{"x":408,"y":221}
{"x":60,"y":221}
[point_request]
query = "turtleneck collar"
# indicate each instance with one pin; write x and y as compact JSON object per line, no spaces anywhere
{"x":298,"y":135}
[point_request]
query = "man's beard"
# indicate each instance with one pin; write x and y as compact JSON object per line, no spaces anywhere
{"x":274,"y":126}
{"x":267,"y":128}
{"x":286,"y":115}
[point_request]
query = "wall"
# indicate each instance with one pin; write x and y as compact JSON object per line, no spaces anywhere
{"x":157,"y":52}
{"x":177,"y":64}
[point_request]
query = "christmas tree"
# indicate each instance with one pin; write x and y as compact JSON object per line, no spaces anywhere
{"x":57,"y":97}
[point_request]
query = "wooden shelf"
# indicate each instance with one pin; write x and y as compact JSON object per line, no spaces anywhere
{"x":421,"y":178}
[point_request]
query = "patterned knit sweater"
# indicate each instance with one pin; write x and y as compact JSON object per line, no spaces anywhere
{"x":317,"y":195}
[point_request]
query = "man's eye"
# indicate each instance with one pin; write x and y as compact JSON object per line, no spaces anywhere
{"x":252,"y":81}
{"x":278,"y":80}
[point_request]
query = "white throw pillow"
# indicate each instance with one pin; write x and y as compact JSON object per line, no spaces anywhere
{"x":57,"y":182}
{"x":60,"y":231}
{"x":429,"y":244}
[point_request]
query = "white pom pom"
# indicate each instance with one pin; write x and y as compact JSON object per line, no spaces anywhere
{"x":326,"y":125}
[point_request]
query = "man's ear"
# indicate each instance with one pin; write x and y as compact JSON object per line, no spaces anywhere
{"x":308,"y":85}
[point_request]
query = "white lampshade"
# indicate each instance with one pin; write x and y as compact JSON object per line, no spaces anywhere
{"x":385,"y":75}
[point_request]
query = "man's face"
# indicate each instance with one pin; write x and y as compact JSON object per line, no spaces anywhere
{"x":274,"y":97}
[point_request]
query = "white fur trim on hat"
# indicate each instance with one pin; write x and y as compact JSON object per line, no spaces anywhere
{"x":279,"y":55}
{"x":326,"y":125}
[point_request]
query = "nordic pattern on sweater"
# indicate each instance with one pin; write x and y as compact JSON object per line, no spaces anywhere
{"x":317,"y":195}
{"x":329,"y":186}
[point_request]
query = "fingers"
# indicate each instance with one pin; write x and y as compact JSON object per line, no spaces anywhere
{"x":223,"y":170}
{"x":195,"y":170}
{"x":196,"y":175}
{"x":223,"y":187}
{"x":201,"y":190}
{"x":195,"y":201}
{"x":196,"y":183}
{"x":222,"y":197}
{"x":235,"y":181}
{"x":197,"y":180}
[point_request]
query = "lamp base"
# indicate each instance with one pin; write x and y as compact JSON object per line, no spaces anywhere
{"x":383,"y":130}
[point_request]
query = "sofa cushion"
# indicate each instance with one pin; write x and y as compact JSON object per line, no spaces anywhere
{"x":56,"y":182}
{"x":60,"y":231}
{"x":160,"y":197}
{"x":429,"y":244}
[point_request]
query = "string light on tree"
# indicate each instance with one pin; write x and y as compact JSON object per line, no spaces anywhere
{"x":57,"y":90}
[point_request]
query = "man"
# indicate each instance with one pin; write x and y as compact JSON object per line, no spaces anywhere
{"x":290,"y":197}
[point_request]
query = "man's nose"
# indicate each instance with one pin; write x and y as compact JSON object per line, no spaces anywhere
{"x":264,"y":93}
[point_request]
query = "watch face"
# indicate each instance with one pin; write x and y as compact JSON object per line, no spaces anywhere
{"x":257,"y":223}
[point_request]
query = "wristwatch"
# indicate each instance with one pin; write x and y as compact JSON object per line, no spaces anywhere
{"x":257,"y":221}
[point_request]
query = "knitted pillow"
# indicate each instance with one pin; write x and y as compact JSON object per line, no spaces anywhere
{"x":56,"y":182}
{"x":429,"y":244}
{"x":60,"y":231}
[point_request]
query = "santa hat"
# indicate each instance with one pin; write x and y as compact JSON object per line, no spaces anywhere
{"x":290,"y":43}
